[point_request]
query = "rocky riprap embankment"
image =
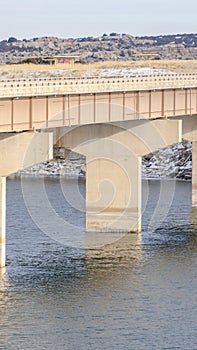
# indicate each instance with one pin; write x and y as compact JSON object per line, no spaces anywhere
{"x":172,"y":162}
{"x":65,"y":163}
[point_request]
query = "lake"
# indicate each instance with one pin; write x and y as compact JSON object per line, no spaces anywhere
{"x":136,"y":292}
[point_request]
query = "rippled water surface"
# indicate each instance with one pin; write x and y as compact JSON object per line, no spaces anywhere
{"x":139,"y":292}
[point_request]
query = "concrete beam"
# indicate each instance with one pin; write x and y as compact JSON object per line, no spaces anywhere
{"x":142,"y":136}
{"x":189,"y":127}
{"x":22,"y":150}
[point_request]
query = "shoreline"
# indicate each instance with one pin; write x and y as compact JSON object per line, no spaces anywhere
{"x":172,"y":162}
{"x":83,"y":177}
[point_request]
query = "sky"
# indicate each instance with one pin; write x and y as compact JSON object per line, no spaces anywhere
{"x":79,"y":18}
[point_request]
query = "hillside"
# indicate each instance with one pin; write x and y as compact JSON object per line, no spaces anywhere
{"x":108,"y":47}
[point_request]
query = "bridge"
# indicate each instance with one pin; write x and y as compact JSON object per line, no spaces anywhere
{"x":113,"y":121}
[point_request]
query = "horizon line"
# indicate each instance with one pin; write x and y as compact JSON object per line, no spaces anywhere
{"x":98,"y":36}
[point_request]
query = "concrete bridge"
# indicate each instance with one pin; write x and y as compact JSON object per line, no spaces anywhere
{"x":113,"y":121}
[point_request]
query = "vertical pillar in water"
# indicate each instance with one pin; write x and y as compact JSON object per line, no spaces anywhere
{"x":194,"y":173}
{"x":2,"y":221}
{"x":113,"y":195}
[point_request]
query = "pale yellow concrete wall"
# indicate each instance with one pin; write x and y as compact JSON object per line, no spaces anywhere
{"x":189,"y":125}
{"x":142,"y":136}
{"x":22,"y":150}
{"x":113,"y":192}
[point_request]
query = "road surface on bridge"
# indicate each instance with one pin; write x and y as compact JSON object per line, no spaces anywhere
{"x":51,"y":86}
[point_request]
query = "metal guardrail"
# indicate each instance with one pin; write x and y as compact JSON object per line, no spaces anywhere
{"x":59,"y":86}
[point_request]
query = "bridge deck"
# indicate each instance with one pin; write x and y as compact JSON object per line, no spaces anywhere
{"x":51,"y":86}
{"x":44,"y":103}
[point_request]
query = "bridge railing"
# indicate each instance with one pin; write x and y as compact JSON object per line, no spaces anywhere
{"x":58,"y":86}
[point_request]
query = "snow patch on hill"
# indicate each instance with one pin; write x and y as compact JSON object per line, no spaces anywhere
{"x":126,"y":72}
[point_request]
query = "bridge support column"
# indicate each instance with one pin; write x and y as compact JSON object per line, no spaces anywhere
{"x":190,"y":134}
{"x":2,"y":221}
{"x":19,"y":151}
{"x":113,"y":195}
{"x":194,"y":173}
{"x":113,"y":168}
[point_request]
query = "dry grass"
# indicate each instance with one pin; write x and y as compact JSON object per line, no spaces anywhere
{"x":176,"y":65}
{"x":181,"y":66}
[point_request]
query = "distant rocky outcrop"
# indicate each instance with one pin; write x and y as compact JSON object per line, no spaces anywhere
{"x":108,"y":47}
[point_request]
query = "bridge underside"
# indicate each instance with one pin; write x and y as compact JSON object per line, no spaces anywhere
{"x":27,"y":113}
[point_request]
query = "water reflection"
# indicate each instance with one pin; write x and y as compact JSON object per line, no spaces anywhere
{"x":3,"y":302}
{"x":57,"y":267}
{"x":114,"y":246}
{"x":111,"y":263}
{"x":3,"y":283}
{"x":194,"y":218}
{"x":194,"y":227}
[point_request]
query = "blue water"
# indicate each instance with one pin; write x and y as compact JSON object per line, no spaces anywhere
{"x":139,"y":292}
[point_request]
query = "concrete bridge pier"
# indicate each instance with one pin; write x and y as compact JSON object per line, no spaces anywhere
{"x":113,"y":192}
{"x":113,"y":167}
{"x":19,"y":151}
{"x":189,"y":129}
